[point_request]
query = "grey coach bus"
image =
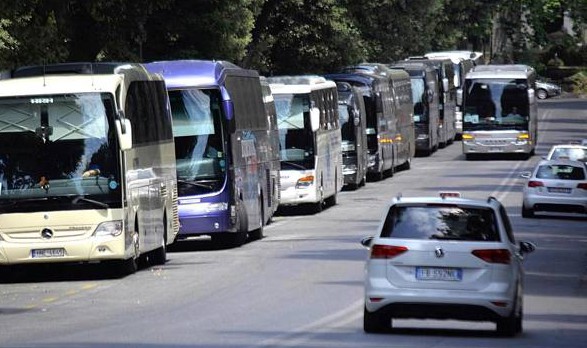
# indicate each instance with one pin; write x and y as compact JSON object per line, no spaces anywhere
{"x":499,"y":110}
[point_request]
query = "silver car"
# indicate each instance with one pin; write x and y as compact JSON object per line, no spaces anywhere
{"x":574,"y":152}
{"x":556,"y":186}
{"x":546,"y":90}
{"x":444,"y":258}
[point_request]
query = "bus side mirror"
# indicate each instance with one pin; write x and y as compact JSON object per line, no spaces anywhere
{"x":124,"y":133}
{"x":459,"y":97}
{"x":315,"y":119}
{"x":445,"y":85}
{"x":531,"y":96}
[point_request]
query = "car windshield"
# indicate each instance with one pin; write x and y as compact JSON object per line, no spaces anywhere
{"x":441,"y":222}
{"x":560,"y":171}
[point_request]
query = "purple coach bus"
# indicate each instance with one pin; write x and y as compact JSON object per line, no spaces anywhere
{"x":225,"y":160}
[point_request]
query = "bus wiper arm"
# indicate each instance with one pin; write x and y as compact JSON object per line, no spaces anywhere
{"x":197,"y":184}
{"x":88,"y":200}
{"x":294,"y":164}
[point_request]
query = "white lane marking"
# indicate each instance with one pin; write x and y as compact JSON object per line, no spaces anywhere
{"x":301,"y":335}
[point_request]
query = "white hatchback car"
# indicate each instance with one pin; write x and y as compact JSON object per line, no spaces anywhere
{"x":555,"y":185}
{"x":444,"y":258}
{"x":574,"y":152}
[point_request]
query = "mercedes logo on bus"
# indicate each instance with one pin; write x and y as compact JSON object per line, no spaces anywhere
{"x":439,"y":252}
{"x":47,"y":233}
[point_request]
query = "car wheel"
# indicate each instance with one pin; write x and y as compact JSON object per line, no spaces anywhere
{"x":507,"y":327}
{"x":527,"y":212}
{"x":374,"y":322}
{"x":541,"y":94}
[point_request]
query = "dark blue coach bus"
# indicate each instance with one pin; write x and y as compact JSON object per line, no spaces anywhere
{"x":223,"y":150}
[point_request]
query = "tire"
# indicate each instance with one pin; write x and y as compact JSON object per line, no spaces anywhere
{"x":374,"y":322}
{"x":527,"y":212}
{"x":512,"y":324}
{"x":258,"y":233}
{"x":541,"y":94}
{"x":159,"y":255}
{"x":234,"y":239}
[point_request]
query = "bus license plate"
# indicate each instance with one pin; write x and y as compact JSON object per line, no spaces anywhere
{"x":495,"y":149}
{"x":38,"y":253}
{"x":439,"y":273}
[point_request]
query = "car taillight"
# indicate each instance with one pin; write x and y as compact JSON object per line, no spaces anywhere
{"x":493,"y":255}
{"x":582,"y":185}
{"x":386,"y":251}
{"x":534,"y":183}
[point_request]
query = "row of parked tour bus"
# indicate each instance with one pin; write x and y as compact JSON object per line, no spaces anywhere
{"x":115,"y":161}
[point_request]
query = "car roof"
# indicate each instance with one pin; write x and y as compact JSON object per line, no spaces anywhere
{"x":561,"y":162}
{"x":569,"y":146}
{"x":490,"y":202}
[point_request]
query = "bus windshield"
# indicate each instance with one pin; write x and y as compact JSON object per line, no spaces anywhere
{"x":500,"y":104}
{"x":296,"y":140}
{"x":420,"y":105}
{"x":347,"y":127}
{"x":58,"y":152}
{"x":199,"y":143}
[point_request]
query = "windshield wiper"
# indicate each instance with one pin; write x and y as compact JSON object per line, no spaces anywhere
{"x":435,"y":236}
{"x":299,"y":166}
{"x":88,"y":200}
{"x":196,"y":184}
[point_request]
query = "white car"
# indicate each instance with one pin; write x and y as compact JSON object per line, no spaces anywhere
{"x":574,"y":152}
{"x":444,"y":258}
{"x":555,"y":185}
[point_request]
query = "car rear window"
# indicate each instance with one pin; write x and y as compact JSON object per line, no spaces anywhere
{"x":441,"y":222}
{"x":561,"y":172}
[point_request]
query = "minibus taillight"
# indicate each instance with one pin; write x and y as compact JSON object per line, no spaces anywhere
{"x":535,"y":183}
{"x":494,"y":255}
{"x":386,"y":251}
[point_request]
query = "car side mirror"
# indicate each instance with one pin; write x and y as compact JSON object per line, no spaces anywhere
{"x":527,"y":247}
{"x":366,"y":242}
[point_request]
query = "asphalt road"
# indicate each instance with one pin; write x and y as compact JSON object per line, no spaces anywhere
{"x":302,"y":285}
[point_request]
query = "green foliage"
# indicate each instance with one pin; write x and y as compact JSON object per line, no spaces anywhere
{"x":283,"y":36}
{"x":579,"y":83}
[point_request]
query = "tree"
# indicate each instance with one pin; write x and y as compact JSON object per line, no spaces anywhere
{"x":303,"y":36}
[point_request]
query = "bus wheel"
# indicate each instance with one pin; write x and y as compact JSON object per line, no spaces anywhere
{"x":258,"y":233}
{"x":159,"y":255}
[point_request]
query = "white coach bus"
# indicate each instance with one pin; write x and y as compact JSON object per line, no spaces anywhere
{"x":87,"y":166}
{"x":500,"y":112}
{"x":309,"y":140}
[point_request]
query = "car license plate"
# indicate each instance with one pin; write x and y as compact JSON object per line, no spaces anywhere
{"x":38,"y":253}
{"x":439,"y":273}
{"x":559,"y":190}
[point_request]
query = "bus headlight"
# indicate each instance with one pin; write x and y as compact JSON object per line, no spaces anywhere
{"x":372,"y":161}
{"x":109,"y":229}
{"x":305,"y":181}
{"x":523,"y":138}
{"x":467,"y":137}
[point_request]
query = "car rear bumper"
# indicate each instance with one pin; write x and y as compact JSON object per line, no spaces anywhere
{"x":562,"y":204}
{"x":440,"y":303}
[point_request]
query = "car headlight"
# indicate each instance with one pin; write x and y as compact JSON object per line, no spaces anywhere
{"x":109,"y":229}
